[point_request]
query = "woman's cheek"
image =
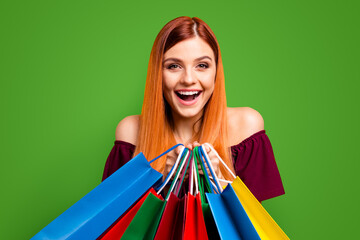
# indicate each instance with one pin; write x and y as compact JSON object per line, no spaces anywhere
{"x":207,"y":80}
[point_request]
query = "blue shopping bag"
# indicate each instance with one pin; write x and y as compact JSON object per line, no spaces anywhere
{"x":230,"y":217}
{"x":96,"y":211}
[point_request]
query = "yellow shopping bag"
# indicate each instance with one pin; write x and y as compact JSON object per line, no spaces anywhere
{"x":265,"y":226}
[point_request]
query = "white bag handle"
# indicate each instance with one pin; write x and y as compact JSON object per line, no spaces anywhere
{"x":211,"y":168}
{"x":173,"y":169}
{"x":191,"y":176}
{"x":196,"y":180}
{"x":221,"y":180}
{"x":217,"y":180}
{"x":178,"y":174}
{"x":223,"y":163}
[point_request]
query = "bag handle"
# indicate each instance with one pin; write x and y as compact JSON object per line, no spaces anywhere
{"x":223,"y":163}
{"x":170,"y":149}
{"x":195,"y":177}
{"x":196,"y":160}
{"x":178,"y":173}
{"x":171,"y":173}
{"x":211,"y":168}
{"x":210,"y":184}
{"x":182,"y":177}
{"x":214,"y":176}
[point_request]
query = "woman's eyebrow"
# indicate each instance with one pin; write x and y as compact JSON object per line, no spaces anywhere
{"x":179,"y":60}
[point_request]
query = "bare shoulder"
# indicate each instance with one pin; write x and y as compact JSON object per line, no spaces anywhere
{"x":242,"y":123}
{"x":127,"y":129}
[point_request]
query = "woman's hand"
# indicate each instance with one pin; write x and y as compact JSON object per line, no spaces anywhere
{"x":171,"y":159}
{"x":212,"y":158}
{"x":173,"y":155}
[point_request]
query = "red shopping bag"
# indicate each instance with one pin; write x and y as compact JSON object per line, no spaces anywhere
{"x":194,"y":226}
{"x":172,"y":221}
{"x":189,"y":222}
{"x":182,"y":219}
{"x":171,"y":224}
{"x":194,"y":223}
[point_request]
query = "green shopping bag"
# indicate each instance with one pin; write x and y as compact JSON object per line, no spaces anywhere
{"x":147,"y":219}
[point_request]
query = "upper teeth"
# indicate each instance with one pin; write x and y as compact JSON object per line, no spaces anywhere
{"x":188,"y":92}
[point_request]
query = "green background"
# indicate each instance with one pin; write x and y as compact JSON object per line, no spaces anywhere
{"x":71,"y":70}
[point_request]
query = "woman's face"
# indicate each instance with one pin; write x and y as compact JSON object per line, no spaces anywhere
{"x":189,"y":71}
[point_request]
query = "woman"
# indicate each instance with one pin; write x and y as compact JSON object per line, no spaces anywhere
{"x":185,"y":102}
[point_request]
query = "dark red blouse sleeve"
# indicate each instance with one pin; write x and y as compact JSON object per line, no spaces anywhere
{"x":120,"y":154}
{"x":255,"y":164}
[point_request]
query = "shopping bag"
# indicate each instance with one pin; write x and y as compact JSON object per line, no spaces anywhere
{"x":194,"y":223}
{"x":116,"y":231}
{"x":179,"y":223}
{"x":204,"y":186}
{"x":96,"y":211}
{"x":230,"y":217}
{"x":183,"y":218}
{"x":210,"y":225}
{"x":144,"y":224}
{"x":173,"y":218}
{"x":170,"y":226}
{"x":146,"y":220}
{"x":264,"y":224}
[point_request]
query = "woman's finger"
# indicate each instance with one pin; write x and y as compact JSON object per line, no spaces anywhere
{"x":201,"y":172}
{"x":207,"y":149}
{"x":178,"y":150}
{"x":189,"y":146}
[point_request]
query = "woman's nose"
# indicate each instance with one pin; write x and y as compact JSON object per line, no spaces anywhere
{"x":189,"y":77}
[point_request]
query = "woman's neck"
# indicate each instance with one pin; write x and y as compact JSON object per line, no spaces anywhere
{"x":184,"y":127}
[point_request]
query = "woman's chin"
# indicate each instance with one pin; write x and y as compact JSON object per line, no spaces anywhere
{"x":189,"y":113}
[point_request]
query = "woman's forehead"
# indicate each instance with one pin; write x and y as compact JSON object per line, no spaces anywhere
{"x":190,"y":49}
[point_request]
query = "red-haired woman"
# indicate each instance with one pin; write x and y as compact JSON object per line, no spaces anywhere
{"x":185,"y":102}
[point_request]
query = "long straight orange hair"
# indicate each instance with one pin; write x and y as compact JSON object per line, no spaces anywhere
{"x":156,"y":124}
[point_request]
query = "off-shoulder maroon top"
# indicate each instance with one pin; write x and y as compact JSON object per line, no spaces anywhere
{"x":254,"y":163}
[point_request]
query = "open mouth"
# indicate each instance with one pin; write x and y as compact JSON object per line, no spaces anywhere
{"x":188,"y":95}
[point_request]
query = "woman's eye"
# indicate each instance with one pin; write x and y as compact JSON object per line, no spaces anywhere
{"x":171,"y":66}
{"x":203,"y":65}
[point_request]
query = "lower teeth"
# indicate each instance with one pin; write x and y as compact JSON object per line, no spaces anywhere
{"x":188,"y":97}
